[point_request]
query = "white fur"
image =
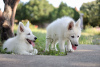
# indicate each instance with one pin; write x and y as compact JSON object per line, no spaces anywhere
{"x":19,"y":44}
{"x":58,"y":32}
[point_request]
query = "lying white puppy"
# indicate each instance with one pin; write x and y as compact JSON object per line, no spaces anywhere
{"x":23,"y":43}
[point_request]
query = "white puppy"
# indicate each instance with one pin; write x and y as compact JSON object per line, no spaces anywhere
{"x":61,"y":30}
{"x":22,"y":43}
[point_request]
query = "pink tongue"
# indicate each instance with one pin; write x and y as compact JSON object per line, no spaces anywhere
{"x":74,"y":47}
{"x":32,"y":44}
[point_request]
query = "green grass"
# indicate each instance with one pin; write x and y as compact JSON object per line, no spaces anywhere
{"x":90,"y":36}
{"x":40,"y":45}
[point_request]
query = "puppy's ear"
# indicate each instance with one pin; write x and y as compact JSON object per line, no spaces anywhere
{"x":78,"y":23}
{"x":27,"y":25}
{"x":21,"y":27}
{"x":70,"y":25}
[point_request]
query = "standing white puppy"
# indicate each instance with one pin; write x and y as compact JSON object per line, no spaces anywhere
{"x":22,"y":43}
{"x":61,"y":30}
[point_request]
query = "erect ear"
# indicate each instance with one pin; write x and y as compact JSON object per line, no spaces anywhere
{"x":71,"y":25}
{"x":21,"y":27}
{"x":27,"y":25}
{"x":78,"y":23}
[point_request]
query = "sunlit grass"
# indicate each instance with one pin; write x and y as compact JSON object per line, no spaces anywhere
{"x":91,"y":31}
{"x":90,"y":36}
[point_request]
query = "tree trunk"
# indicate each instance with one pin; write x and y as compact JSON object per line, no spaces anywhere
{"x":7,"y":19}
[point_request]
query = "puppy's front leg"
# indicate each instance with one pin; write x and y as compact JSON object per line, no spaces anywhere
{"x":69,"y":46}
{"x":61,"y":45}
{"x":25,"y":53}
{"x":30,"y":48}
{"x":33,"y":51}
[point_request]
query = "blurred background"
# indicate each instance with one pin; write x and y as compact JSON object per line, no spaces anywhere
{"x":42,"y":12}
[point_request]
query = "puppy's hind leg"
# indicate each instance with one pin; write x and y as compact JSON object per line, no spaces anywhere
{"x":53,"y":45}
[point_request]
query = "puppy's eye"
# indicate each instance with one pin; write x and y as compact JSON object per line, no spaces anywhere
{"x":72,"y":36}
{"x":78,"y":36}
{"x":28,"y":34}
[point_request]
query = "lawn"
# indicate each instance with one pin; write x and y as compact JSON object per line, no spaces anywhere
{"x":89,"y":36}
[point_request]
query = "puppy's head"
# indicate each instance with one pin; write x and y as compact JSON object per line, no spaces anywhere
{"x":74,"y":32}
{"x":25,"y":33}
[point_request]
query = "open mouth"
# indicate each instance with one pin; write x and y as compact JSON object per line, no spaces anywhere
{"x":73,"y":46}
{"x":31,"y":42}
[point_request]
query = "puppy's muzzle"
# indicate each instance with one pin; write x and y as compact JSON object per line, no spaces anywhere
{"x":35,"y":39}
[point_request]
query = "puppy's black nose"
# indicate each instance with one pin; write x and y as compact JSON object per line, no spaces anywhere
{"x":35,"y":38}
{"x":76,"y":44}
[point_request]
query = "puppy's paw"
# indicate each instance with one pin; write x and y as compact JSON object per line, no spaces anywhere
{"x":30,"y":54}
{"x":25,"y":53}
{"x":70,"y":50}
{"x":35,"y":52}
